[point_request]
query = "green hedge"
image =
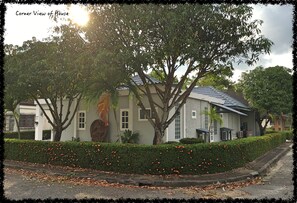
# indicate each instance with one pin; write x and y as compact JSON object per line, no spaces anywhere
{"x":191,"y":140}
{"x":288,"y":134}
{"x":27,"y":135}
{"x":200,"y":158}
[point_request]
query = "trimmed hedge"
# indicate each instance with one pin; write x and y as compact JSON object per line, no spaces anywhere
{"x":191,"y":140}
{"x":288,"y":134}
{"x":27,"y":135}
{"x":200,"y":158}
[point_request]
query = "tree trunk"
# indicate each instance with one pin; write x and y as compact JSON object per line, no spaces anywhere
{"x":158,"y":136}
{"x":17,"y":124}
{"x":262,"y":129}
{"x":58,"y":134}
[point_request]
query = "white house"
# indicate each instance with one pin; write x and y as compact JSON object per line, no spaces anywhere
{"x":41,"y":123}
{"x":26,"y":112}
{"x":191,"y":122}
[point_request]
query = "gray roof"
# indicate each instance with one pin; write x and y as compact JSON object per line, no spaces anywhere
{"x":138,"y":80}
{"x":212,"y":92}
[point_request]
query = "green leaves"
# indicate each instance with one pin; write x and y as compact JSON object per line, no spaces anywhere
{"x":166,"y":40}
{"x":164,"y":159}
{"x":51,"y":69}
{"x":269,"y":91}
{"x":14,"y":91}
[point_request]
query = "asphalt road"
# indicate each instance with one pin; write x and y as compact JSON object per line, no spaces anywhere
{"x":277,"y":184}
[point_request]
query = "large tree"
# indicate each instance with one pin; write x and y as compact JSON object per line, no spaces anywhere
{"x":14,"y":93}
{"x":56,"y":70}
{"x":269,"y":92}
{"x":190,"y":39}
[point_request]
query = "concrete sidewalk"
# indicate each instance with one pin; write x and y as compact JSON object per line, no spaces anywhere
{"x":252,"y":169}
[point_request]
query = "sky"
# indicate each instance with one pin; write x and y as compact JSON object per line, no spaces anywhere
{"x":22,"y":23}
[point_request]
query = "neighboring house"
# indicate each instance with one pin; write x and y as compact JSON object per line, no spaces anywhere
{"x":29,"y":119}
{"x":282,"y":122}
{"x":191,"y":122}
{"x":26,"y":111}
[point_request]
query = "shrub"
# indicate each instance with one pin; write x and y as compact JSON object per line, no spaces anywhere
{"x":171,"y":142}
{"x":145,"y":159}
{"x":27,"y":135}
{"x":191,"y":140}
{"x":270,"y":130}
{"x":129,"y":137}
{"x":289,"y":134}
{"x":76,"y":139}
{"x":46,"y":135}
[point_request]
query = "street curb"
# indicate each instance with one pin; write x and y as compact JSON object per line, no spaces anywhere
{"x":265,"y":168}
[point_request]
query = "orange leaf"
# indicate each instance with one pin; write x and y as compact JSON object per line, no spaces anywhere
{"x":103,"y":107}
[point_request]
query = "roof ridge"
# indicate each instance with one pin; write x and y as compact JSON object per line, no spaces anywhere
{"x":229,"y":97}
{"x":220,"y":94}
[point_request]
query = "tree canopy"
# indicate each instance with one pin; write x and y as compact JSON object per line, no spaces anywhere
{"x":168,"y":39}
{"x":14,"y":93}
{"x":55,"y":70}
{"x":269,"y":91}
{"x":219,"y":80}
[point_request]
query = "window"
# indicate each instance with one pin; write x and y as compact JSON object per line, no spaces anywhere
{"x":82,"y":120}
{"x":143,"y":116}
{"x":124,"y":121}
{"x":193,"y":114}
{"x":27,"y":121}
{"x":177,"y":125}
{"x":206,"y":118}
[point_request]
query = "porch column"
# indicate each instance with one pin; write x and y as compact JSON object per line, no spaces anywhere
{"x":38,"y":123}
{"x":52,"y":135}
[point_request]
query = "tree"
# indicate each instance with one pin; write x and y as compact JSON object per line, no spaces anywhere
{"x":219,"y":81}
{"x":167,"y":39}
{"x":213,"y":117}
{"x":55,"y":70}
{"x":14,"y":93}
{"x":269,"y":92}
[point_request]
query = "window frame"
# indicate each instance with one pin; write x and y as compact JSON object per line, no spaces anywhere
{"x":144,"y":119}
{"x":194,"y":116}
{"x":121,"y":119}
{"x":27,"y":121}
{"x":177,"y":125}
{"x":80,"y":122}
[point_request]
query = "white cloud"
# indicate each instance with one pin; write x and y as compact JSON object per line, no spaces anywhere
{"x":236,"y":75}
{"x":277,"y":25}
{"x":284,"y":59}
